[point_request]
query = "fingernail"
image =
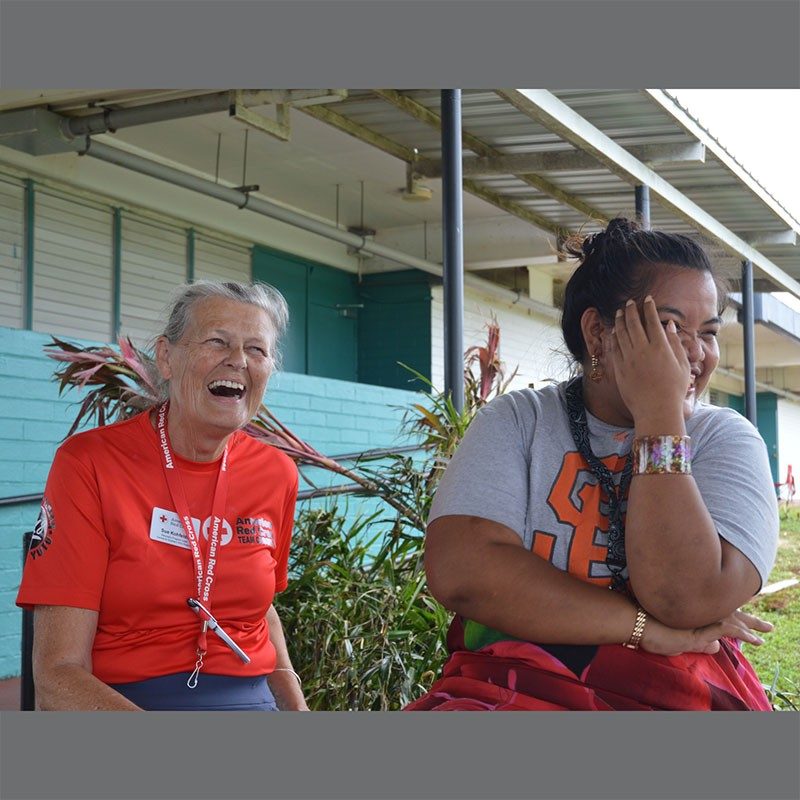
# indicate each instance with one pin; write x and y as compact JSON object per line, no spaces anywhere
{"x":671,"y":325}
{"x":619,"y":312}
{"x":629,"y":303}
{"x":648,"y":299}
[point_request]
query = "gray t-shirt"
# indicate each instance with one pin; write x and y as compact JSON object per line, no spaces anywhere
{"x":518,"y":465}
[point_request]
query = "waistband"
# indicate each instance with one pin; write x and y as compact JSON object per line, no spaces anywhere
{"x":212,"y":693}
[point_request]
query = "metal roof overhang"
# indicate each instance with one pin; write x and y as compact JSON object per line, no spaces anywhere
{"x":588,"y":150}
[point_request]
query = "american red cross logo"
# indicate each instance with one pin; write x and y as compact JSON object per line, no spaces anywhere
{"x":163,"y":518}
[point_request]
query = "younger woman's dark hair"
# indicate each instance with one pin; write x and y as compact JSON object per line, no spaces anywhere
{"x":618,"y":263}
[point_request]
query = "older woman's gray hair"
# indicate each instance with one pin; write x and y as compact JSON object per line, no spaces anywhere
{"x":261,"y":295}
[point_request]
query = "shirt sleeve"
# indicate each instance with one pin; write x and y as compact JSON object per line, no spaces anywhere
{"x":732,"y":472}
{"x":287,"y":526}
{"x":488,"y":476}
{"x":66,"y":562}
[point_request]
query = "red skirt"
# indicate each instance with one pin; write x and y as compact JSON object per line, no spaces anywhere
{"x":512,"y":675}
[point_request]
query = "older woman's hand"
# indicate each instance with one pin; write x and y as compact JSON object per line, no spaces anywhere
{"x":658,"y":638}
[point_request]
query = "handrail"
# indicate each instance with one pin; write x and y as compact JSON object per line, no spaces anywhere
{"x":305,"y":495}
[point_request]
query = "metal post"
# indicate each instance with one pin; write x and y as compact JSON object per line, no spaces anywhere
{"x":453,"y":273}
{"x":27,"y":695}
{"x":30,"y":239}
{"x":643,"y":206}
{"x":116,"y":282}
{"x":748,"y":327}
{"x":190,"y":255}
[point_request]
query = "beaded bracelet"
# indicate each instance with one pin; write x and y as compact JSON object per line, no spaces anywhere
{"x":658,"y":455}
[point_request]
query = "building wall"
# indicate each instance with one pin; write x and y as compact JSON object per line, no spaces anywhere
{"x":334,"y":416}
{"x":394,"y":328}
{"x":767,"y":423}
{"x":528,"y":341}
{"x":788,"y":440}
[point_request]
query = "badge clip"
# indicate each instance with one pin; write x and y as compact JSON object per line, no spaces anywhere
{"x":209,"y":621}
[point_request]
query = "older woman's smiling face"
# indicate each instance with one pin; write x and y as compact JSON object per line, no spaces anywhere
{"x":217,"y":373}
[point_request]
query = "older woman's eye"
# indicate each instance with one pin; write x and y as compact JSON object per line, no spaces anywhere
{"x":215,"y":340}
{"x":256,"y":350}
{"x":709,"y":335}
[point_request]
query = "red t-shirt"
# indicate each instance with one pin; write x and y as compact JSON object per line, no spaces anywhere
{"x":109,"y":539}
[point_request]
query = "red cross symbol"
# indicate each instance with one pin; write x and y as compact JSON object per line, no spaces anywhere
{"x":163,"y":518}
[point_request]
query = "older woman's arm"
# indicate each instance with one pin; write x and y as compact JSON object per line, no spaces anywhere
{"x":282,"y":683}
{"x":480,"y":569}
{"x":62,"y":663}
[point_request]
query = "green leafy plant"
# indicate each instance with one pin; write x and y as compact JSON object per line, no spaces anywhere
{"x":377,"y":635}
{"x":782,"y":697}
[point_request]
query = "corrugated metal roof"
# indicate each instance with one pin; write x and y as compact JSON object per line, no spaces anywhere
{"x":629,"y":118}
{"x":720,"y":187}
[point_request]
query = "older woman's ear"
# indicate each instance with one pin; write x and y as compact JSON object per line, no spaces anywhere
{"x":162,"y":349}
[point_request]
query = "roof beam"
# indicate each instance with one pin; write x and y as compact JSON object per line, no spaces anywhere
{"x":756,"y":238}
{"x":563,"y":161}
{"x":360,"y":132}
{"x":407,"y":154}
{"x":695,"y":129}
{"x":511,"y":207}
{"x":481,"y":148}
{"x":546,"y":109}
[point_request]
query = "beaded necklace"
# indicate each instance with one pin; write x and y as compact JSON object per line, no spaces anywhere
{"x":615,"y":555}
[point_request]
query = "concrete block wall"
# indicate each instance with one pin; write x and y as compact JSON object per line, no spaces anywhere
{"x":334,"y":416}
{"x":530,"y":343}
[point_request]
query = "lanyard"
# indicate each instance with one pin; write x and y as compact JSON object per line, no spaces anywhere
{"x":204,"y":574}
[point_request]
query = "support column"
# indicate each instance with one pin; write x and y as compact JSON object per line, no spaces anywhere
{"x":643,"y":206}
{"x":453,"y":248}
{"x":30,"y":226}
{"x":748,"y":327}
{"x":116,"y":282}
{"x":190,"y":255}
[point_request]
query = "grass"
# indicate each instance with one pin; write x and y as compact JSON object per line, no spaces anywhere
{"x":777,"y":661}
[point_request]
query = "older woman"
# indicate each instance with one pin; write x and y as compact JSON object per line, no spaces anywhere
{"x":618,"y":479}
{"x":168,"y":534}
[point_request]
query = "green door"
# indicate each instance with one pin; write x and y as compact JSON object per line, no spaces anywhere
{"x":767,"y":419}
{"x":322,"y":336}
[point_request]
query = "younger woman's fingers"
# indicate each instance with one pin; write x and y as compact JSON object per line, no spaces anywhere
{"x":754,"y":622}
{"x":674,"y":341}
{"x":633,"y":322}
{"x":621,"y":333}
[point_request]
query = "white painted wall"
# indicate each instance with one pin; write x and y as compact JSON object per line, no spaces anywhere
{"x":12,"y":235}
{"x":788,"y":441}
{"x":527,"y":340}
{"x":105,"y":182}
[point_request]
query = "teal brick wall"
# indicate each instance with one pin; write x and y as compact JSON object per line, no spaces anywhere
{"x":334,"y":416}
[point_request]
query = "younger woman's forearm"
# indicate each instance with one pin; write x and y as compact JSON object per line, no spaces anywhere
{"x":483,"y":573}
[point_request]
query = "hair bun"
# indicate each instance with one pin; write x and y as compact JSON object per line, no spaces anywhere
{"x":622,"y":226}
{"x":590,"y":243}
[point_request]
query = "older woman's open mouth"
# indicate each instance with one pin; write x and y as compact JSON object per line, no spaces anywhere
{"x":232,"y":389}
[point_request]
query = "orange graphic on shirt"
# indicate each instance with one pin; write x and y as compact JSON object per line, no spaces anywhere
{"x":576,"y":502}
